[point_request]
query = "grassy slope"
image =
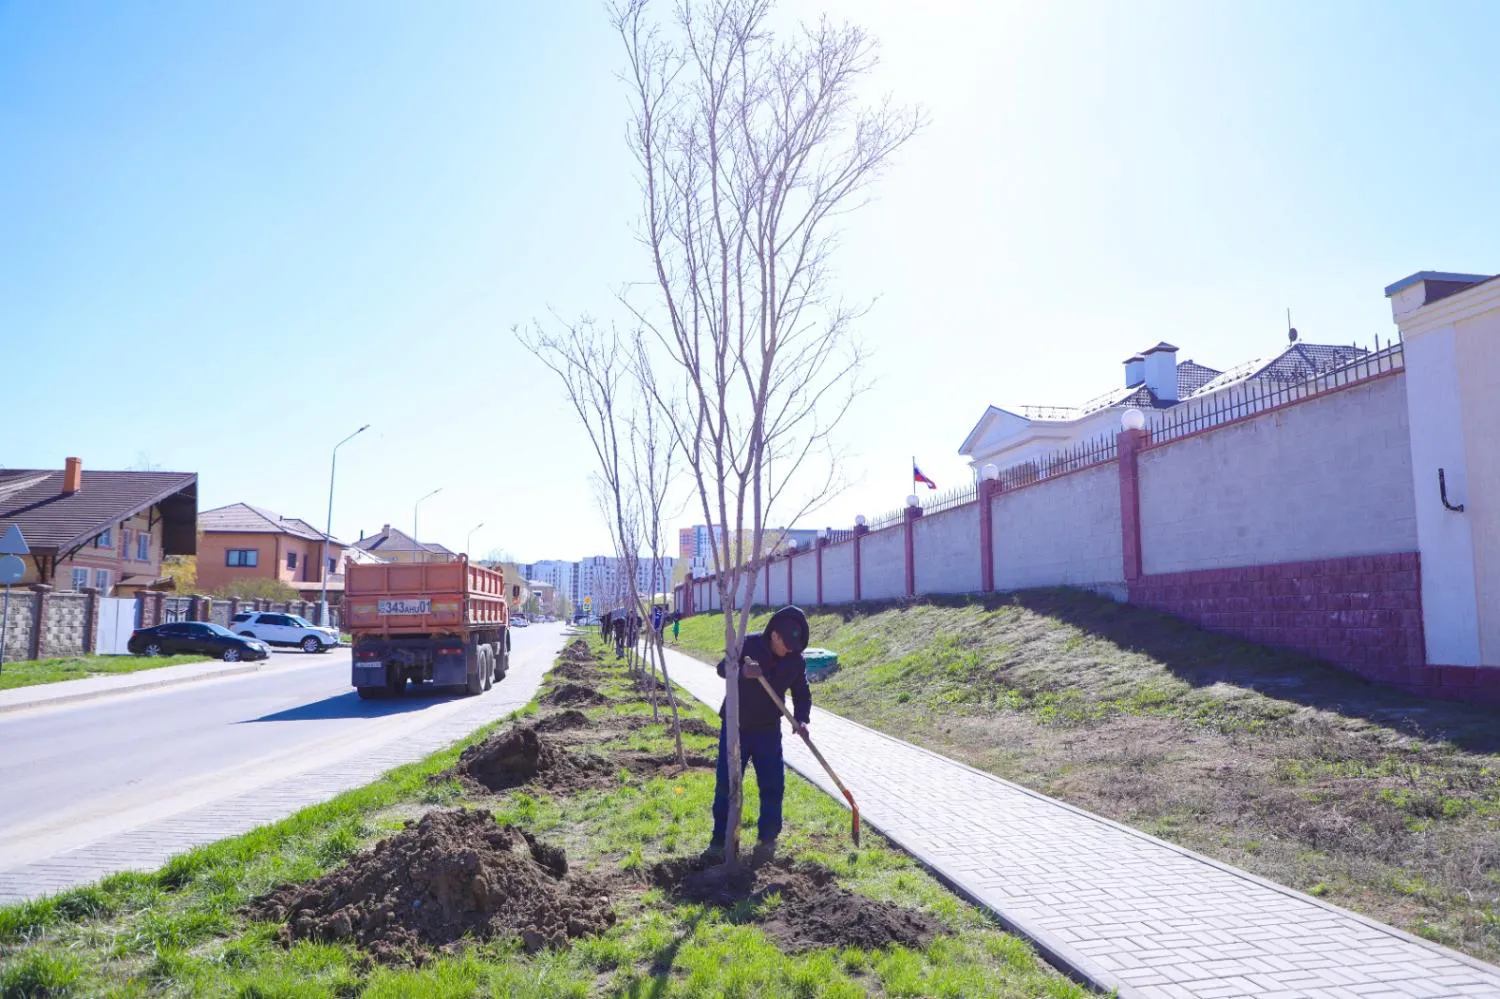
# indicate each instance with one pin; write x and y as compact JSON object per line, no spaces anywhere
{"x":34,"y":671}
{"x":176,"y":932}
{"x":1292,"y":769}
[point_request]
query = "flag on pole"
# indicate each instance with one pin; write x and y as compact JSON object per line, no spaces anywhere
{"x":918,"y":477}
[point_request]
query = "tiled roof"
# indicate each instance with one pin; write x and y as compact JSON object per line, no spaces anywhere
{"x":1297,"y":363}
{"x":242,"y":518}
{"x":392,"y":540}
{"x":53,"y":522}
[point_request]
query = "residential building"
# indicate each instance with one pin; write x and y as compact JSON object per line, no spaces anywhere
{"x":397,"y":546}
{"x":1154,"y":381}
{"x":104,"y":530}
{"x":240,"y":541}
{"x":558,"y":574}
{"x":546,"y":596}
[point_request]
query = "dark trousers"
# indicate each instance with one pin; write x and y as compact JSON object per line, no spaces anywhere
{"x":764,"y":750}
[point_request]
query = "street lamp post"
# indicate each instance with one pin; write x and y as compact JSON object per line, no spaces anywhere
{"x":469,"y":541}
{"x":415,"y":537}
{"x":333,"y":465}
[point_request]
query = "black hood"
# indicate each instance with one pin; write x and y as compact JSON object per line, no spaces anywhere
{"x":791,"y":624}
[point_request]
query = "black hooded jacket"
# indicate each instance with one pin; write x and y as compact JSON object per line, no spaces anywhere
{"x":758,"y":713}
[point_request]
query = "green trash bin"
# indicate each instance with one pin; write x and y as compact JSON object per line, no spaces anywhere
{"x":820,"y":663}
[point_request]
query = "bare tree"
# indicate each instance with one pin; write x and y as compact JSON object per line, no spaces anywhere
{"x":751,"y":147}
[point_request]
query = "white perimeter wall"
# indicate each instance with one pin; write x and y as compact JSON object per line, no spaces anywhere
{"x":1326,"y":478}
{"x":882,"y":564}
{"x":805,"y":580}
{"x":946,"y":551}
{"x":1060,"y":532}
{"x":776,"y":595}
{"x":838,"y":573}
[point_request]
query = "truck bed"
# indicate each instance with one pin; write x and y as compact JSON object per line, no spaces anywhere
{"x":423,"y":598}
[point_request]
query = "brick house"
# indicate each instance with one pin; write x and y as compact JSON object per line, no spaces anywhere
{"x":240,"y":541}
{"x":101,"y":530}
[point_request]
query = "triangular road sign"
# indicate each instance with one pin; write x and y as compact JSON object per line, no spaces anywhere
{"x":12,"y":543}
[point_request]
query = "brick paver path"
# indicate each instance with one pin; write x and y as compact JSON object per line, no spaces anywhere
{"x":146,"y":847}
{"x":1119,"y":907}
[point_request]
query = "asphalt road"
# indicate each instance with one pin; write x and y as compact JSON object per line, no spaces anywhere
{"x":78,"y":774}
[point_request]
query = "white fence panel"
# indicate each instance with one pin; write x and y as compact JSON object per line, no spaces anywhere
{"x":116,"y":622}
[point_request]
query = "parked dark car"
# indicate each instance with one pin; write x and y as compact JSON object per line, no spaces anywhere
{"x":196,"y":638}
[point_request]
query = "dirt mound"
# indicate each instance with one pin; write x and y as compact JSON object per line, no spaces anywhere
{"x":697,"y":726}
{"x":519,"y":756}
{"x":814,"y":911}
{"x":578,"y":651}
{"x":582,"y":670}
{"x":452,"y":874}
{"x":563,"y":721}
{"x":573,"y":695}
{"x":641,"y":764}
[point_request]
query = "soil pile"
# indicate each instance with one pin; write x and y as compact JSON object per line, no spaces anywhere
{"x":519,"y":756}
{"x":814,"y":911}
{"x":563,"y":721}
{"x":697,"y":726}
{"x":573,"y":695}
{"x":578,"y":651}
{"x":451,"y":874}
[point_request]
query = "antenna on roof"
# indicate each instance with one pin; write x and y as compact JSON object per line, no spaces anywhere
{"x":1291,"y":331}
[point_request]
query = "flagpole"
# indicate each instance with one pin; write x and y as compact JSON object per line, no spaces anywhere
{"x":913,"y":473}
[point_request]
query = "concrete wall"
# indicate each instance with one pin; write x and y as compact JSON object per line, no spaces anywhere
{"x":1478,"y":349}
{"x":1325,"y":478}
{"x":805,"y":580}
{"x":838,"y":573}
{"x":18,"y":627}
{"x":1060,"y":532}
{"x":946,"y":548}
{"x":776,"y":592}
{"x":883,"y":564}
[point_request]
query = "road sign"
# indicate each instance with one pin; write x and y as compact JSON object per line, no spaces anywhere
{"x":588,"y":603}
{"x":11,"y":569}
{"x":12,"y":543}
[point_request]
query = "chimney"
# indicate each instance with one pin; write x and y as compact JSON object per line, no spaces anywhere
{"x":1135,"y":370}
{"x":386,"y":529}
{"x":1161,"y":371}
{"x":72,"y":476}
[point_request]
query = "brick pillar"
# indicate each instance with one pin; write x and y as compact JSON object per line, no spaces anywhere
{"x":860,"y":530}
{"x":142,"y":609}
{"x":912,"y":513}
{"x":818,"y":553}
{"x":987,"y":490}
{"x":1129,"y":444}
{"x":789,"y":560}
{"x":234,"y":608}
{"x":90,"y":619}
{"x":42,"y":593}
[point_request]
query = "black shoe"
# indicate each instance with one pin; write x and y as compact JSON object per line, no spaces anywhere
{"x":714,"y":854}
{"x":764,"y":853}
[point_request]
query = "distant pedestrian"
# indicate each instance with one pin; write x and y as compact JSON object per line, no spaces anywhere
{"x":619,"y":628}
{"x":676,"y":626}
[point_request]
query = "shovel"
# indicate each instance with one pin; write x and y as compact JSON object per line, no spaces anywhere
{"x":854,"y":829}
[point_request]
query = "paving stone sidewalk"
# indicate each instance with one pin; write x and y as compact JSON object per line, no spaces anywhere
{"x":1118,"y":907}
{"x":149,"y":846}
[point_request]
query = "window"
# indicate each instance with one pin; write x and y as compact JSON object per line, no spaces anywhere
{"x":105,"y":539}
{"x":80,"y":578}
{"x":243,"y":557}
{"x":291,"y":560}
{"x":143,"y":547}
{"x":101,"y":580}
{"x":332,"y":566}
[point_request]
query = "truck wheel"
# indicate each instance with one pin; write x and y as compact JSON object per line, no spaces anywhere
{"x":474,"y":685}
{"x":502,"y":663}
{"x":395,"y":683}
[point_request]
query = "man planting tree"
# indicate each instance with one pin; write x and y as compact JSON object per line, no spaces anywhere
{"x":776,"y":655}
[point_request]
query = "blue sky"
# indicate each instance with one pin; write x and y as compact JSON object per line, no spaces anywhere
{"x":232,"y":233}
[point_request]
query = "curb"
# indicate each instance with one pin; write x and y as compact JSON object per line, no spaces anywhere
{"x":155,"y":684}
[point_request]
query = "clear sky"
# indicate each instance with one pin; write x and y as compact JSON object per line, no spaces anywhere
{"x":232,"y":233}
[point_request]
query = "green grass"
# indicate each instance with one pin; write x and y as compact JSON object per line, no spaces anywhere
{"x":177,"y":931}
{"x":1296,"y":770}
{"x":34,"y":671}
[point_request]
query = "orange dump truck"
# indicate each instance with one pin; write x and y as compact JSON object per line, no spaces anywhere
{"x":443,"y":623}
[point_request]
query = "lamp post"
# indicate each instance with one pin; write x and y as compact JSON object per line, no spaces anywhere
{"x":415,"y":537}
{"x":333,"y":466}
{"x":469,"y":541}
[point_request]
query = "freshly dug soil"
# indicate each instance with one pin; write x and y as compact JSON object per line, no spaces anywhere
{"x":582,"y":671}
{"x":518,"y":755}
{"x":814,"y":911}
{"x":697,"y":726}
{"x":573,"y":695}
{"x":578,"y":651}
{"x":451,"y":874}
{"x":563,"y":721}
